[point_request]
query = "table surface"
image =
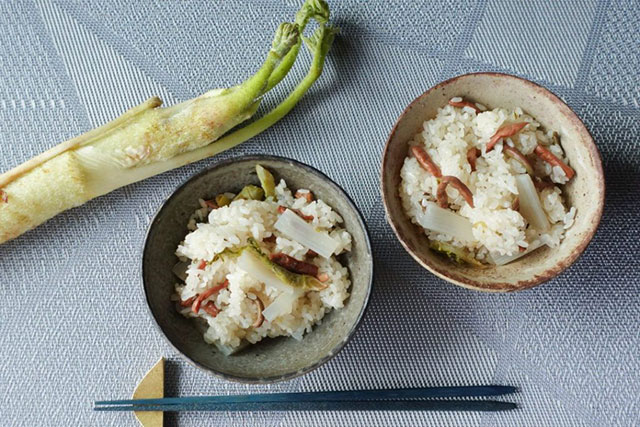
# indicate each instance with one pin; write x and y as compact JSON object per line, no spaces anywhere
{"x":73,"y":324}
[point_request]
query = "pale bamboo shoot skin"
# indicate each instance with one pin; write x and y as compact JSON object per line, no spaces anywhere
{"x":148,"y":140}
{"x":57,"y":185}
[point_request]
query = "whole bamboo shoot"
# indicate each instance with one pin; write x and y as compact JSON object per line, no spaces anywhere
{"x":148,"y":140}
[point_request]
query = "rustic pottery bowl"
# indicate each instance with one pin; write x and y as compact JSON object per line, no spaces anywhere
{"x":271,"y":359}
{"x":585,"y":191}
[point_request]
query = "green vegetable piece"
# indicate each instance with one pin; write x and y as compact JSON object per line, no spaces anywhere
{"x":458,"y":255}
{"x":267,"y":181}
{"x":300,"y":281}
{"x":250,"y":192}
{"x":222,"y":200}
{"x":227,"y":253}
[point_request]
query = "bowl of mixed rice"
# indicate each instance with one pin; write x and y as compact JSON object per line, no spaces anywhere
{"x":257,"y":269}
{"x":491,"y":182}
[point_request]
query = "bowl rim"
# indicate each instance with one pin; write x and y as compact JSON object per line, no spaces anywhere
{"x":498,"y":286}
{"x":317,"y":174}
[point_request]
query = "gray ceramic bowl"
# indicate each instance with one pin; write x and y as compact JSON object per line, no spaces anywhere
{"x":271,"y":359}
{"x":585,"y":191}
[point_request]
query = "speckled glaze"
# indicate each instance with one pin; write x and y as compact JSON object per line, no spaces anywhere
{"x":585,"y":191}
{"x":270,"y":360}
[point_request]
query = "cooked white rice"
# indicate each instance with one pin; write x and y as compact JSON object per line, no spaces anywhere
{"x":230,"y":227}
{"x":497,"y":228}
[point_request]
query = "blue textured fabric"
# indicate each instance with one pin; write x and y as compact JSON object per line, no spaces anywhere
{"x":73,"y":326}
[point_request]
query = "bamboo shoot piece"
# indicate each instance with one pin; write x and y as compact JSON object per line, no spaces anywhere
{"x":262,"y":268}
{"x":255,"y":268}
{"x":530,"y":205}
{"x":281,"y":305}
{"x":444,"y":221}
{"x":506,"y":259}
{"x":148,"y":140}
{"x":297,"y":229}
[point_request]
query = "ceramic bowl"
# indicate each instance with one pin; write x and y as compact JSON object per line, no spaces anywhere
{"x":585,"y":191}
{"x":271,"y":359}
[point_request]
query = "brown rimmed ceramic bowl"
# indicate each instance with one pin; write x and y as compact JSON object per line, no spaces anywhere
{"x":585,"y":191}
{"x":271,"y":359}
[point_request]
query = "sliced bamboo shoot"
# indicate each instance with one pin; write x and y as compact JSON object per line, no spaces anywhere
{"x":530,"y":206}
{"x":280,"y":306}
{"x":506,"y":259}
{"x":256,"y":269}
{"x":444,"y":221}
{"x":299,"y":230}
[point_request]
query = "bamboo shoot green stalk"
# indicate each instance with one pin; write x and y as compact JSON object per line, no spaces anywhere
{"x":311,"y":9}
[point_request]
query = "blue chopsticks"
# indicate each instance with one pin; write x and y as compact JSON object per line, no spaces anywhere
{"x":355,"y":400}
{"x":348,"y":405}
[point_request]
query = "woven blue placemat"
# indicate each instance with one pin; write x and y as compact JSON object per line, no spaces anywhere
{"x":73,"y":326}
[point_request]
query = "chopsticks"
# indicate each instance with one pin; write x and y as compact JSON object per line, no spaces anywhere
{"x":354,"y":400}
{"x":365,"y":405}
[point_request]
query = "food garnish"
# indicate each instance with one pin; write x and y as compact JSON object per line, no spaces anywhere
{"x":294,"y":265}
{"x":307,"y":195}
{"x":211,"y":309}
{"x":210,"y":204}
{"x":259,"y":308}
{"x":307,"y":218}
{"x":505,"y":132}
{"x":270,"y":239}
{"x":462,"y":103}
{"x":206,"y":294}
{"x":516,"y":154}
{"x":188,"y":302}
{"x":516,"y":204}
{"x":425,"y":161}
{"x":541,"y":184}
{"x":323,"y":277}
{"x":441,"y":193}
{"x":472,"y":155}
{"x":551,"y":158}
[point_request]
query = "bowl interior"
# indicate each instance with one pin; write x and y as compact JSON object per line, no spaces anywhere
{"x":271,"y":359}
{"x":585,"y":191}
